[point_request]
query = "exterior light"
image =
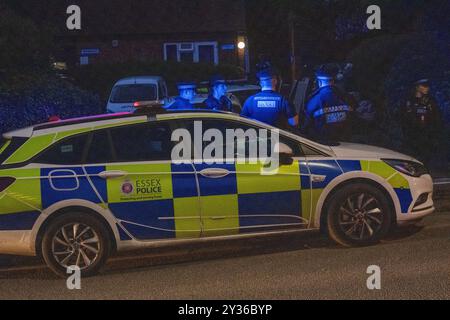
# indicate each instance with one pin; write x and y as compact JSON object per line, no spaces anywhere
{"x":241,"y":45}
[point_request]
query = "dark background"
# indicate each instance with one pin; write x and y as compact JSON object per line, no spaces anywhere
{"x":414,"y":43}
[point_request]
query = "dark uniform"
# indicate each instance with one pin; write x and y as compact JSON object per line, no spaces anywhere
{"x":422,"y":126}
{"x":218,"y":87}
{"x":269,"y":107}
{"x":181,"y":103}
{"x":328,"y":115}
{"x":224,"y":104}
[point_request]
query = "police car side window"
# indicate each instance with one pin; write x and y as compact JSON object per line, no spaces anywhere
{"x":294,"y":145}
{"x":70,"y":151}
{"x":144,"y":142}
{"x":100,"y":150}
{"x":311,"y":152}
{"x":222,"y":126}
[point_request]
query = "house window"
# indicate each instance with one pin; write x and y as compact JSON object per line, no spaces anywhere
{"x":198,"y":52}
{"x":171,"y":52}
{"x":187,"y":52}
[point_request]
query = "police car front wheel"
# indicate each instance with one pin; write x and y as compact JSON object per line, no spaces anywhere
{"x":76,"y":240}
{"x":359,"y":215}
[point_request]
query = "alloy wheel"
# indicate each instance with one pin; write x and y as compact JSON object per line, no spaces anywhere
{"x":76,"y":244}
{"x":361,"y":216}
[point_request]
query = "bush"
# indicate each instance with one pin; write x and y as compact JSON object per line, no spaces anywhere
{"x":385,"y":70}
{"x":372,"y":61}
{"x":45,"y":98}
{"x":423,"y":58}
{"x":427,"y":57}
{"x":100,"y":78}
{"x":25,"y":48}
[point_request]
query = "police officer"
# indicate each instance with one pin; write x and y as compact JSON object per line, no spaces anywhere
{"x":328,"y":114}
{"x":421,"y":122}
{"x":218,"y":99}
{"x":268,"y":106}
{"x":187,"y":92}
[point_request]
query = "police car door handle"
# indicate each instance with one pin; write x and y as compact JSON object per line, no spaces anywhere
{"x":216,"y":173}
{"x":112,"y":174}
{"x":318,"y":179}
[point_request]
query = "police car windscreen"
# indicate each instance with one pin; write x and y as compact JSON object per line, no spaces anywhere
{"x":134,"y":92}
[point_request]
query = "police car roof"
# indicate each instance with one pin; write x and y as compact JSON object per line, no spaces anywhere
{"x":28,"y":132}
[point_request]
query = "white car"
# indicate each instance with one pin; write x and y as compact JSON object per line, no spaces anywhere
{"x":128,"y":91}
{"x":238,"y":94}
{"x":76,"y":191}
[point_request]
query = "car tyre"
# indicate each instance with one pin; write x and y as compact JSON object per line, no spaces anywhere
{"x":358,"y":215}
{"x":76,"y":239}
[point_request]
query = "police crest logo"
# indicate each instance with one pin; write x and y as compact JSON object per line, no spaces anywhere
{"x":145,"y":189}
{"x":127,"y":188}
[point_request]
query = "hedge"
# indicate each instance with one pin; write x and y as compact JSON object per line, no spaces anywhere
{"x":42,"y":99}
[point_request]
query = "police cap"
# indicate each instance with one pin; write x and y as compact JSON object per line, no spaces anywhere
{"x":422,"y":82}
{"x":325,"y":75}
{"x":186,"y":85}
{"x":217,"y":80}
{"x":265,"y":75}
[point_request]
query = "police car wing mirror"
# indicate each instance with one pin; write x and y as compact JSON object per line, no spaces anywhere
{"x":284,"y":149}
{"x":286,"y":159}
{"x":285,"y":154}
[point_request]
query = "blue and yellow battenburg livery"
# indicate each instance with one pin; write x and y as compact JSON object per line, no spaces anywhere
{"x":160,"y":200}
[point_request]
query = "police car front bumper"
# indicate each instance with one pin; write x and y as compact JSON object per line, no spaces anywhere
{"x":423,"y":204}
{"x":16,"y":243}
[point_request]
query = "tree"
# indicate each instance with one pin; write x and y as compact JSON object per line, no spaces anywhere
{"x":25,"y":49}
{"x":268,"y":29}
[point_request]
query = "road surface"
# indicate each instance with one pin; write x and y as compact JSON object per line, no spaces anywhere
{"x":415,"y":264}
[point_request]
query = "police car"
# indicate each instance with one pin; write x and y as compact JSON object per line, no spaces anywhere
{"x":77,"y":191}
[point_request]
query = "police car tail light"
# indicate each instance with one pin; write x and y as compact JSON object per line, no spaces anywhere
{"x":5,"y":183}
{"x":410,"y":168}
{"x":148,"y":104}
{"x":149,"y":107}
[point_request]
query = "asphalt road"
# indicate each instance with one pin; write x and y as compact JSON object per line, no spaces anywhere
{"x":414,"y":262}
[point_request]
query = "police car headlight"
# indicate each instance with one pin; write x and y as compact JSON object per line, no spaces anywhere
{"x":410,"y":168}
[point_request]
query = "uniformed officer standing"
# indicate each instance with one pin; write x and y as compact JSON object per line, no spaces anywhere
{"x":268,"y":106}
{"x":328,"y":114}
{"x":187,"y":92}
{"x":218,"y":99}
{"x":422,"y":122}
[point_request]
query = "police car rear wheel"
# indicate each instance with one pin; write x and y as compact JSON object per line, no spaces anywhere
{"x":358,"y":215}
{"x":76,"y":240}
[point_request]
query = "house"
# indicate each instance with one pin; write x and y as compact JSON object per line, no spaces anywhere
{"x":199,"y":31}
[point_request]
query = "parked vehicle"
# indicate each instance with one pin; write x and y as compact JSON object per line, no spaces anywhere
{"x":77,"y":191}
{"x":127,"y":91}
{"x":238,"y":94}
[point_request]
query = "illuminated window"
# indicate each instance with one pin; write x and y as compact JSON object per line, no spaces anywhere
{"x":198,"y":52}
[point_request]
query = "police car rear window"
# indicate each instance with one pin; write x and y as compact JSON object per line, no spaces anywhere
{"x":67,"y":152}
{"x":4,"y":144}
{"x":8,"y":147}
